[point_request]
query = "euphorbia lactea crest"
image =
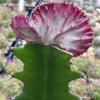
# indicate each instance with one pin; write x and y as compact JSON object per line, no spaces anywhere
{"x":56,"y":24}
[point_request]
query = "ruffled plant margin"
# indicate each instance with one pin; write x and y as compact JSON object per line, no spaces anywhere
{"x":56,"y":32}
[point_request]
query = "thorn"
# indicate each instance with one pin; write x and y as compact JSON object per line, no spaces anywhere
{"x":83,"y":76}
{"x":12,"y":75}
{"x":10,"y":49}
{"x":71,"y":63}
{"x":86,"y":77}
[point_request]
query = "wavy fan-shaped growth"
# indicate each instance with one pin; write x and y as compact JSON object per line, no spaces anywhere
{"x":60,"y":24}
{"x":56,"y":29}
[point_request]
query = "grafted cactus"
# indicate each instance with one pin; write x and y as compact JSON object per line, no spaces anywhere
{"x":56,"y":32}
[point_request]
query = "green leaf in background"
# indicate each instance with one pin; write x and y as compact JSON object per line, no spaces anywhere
{"x":46,"y":73}
{"x":80,"y":64}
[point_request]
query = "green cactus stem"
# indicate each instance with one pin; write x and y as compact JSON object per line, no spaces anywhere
{"x":46,"y":73}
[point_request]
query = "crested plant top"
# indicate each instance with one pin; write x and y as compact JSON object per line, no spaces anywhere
{"x":61,"y":25}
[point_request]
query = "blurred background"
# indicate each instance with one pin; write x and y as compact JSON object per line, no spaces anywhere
{"x":87,"y":87}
